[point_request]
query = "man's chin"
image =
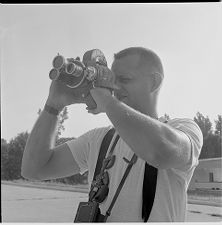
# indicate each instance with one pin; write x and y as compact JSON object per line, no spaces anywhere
{"x":124,"y":100}
{"x":129,"y":104}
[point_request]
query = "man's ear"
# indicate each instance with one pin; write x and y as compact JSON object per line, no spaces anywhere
{"x":157,"y":82}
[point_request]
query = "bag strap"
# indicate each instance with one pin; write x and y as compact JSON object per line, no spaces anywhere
{"x":103,"y":150}
{"x":130,"y":164}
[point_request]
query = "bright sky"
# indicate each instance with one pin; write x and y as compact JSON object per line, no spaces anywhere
{"x":187,"y":37}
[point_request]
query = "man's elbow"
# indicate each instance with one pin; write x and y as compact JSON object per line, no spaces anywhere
{"x":159,"y":162}
{"x":170,"y":159}
{"x":165,"y":157}
{"x":162,"y":163}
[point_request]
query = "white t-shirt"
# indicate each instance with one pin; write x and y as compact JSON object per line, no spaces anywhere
{"x":170,"y":198}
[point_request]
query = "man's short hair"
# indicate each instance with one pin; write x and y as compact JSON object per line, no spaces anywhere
{"x":147,"y":57}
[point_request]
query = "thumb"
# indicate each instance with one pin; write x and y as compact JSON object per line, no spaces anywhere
{"x":93,"y":111}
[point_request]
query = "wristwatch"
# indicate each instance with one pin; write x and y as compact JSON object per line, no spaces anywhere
{"x":51,"y":110}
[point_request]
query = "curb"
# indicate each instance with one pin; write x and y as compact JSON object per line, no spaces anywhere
{"x":42,"y":186}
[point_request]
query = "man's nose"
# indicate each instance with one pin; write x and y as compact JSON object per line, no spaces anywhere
{"x":117,"y":83}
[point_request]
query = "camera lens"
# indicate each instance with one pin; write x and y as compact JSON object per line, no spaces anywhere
{"x":53,"y":74}
{"x":58,"y":62}
{"x":75,"y":70}
{"x":70,"y":68}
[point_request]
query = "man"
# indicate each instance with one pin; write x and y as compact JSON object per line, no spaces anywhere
{"x":173,"y":147}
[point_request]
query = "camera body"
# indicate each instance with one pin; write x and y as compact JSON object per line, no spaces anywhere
{"x":89,"y":212}
{"x":83,"y":76}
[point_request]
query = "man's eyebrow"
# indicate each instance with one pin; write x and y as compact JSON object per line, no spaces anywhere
{"x":120,"y":75}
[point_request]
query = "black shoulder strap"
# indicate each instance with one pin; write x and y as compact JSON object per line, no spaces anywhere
{"x":103,"y":150}
{"x":149,"y":190}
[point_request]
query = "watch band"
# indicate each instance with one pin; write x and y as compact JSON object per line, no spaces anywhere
{"x":51,"y":110}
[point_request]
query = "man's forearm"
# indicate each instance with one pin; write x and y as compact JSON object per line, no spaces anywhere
{"x":139,"y":131}
{"x":42,"y":138}
{"x":150,"y":139}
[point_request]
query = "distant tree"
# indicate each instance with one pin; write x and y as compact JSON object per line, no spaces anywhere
{"x":4,"y":159}
{"x":3,"y":141}
{"x":210,"y":147}
{"x":204,"y":124}
{"x":166,"y":116}
{"x":218,"y":129}
{"x":62,"y":117}
{"x":218,"y":134}
{"x":211,"y":139}
{"x":13,"y":156}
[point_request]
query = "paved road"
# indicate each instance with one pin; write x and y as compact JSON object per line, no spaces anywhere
{"x":25,"y":204}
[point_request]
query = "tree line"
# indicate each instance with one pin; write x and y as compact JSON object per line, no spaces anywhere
{"x":12,"y":151}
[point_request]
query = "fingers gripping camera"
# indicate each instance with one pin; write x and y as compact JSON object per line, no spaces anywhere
{"x":83,"y":76}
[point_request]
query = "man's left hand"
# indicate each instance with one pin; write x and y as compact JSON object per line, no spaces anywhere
{"x":102,"y":97}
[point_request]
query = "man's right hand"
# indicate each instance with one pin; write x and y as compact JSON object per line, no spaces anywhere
{"x":60,"y":95}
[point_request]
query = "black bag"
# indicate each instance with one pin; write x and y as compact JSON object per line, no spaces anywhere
{"x":88,"y":212}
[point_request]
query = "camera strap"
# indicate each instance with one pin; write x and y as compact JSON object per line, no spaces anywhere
{"x":130,"y":164}
{"x":103,"y":150}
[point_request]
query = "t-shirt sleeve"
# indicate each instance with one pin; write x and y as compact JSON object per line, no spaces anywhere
{"x":192,"y":130}
{"x":80,"y":149}
{"x":86,"y":147}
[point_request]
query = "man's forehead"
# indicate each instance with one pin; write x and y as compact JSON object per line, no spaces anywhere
{"x":126,"y":62}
